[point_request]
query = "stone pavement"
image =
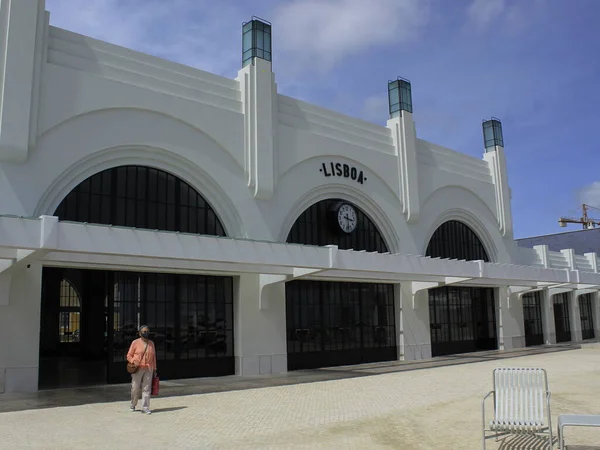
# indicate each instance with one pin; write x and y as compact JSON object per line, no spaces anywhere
{"x":431,"y":408}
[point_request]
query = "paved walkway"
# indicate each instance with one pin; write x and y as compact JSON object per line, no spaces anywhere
{"x":356,"y":408}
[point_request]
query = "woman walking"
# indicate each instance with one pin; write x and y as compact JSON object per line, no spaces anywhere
{"x":142,"y":354}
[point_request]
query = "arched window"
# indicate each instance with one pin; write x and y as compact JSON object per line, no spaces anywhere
{"x":455,"y":240}
{"x":140,"y":197}
{"x":319,"y":225}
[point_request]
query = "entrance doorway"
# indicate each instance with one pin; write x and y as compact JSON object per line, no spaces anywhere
{"x":462,"y":320}
{"x":562,"y":318}
{"x":587,"y":317}
{"x":73,"y":329}
{"x":532,"y":318}
{"x":338,"y":323}
{"x":90,"y":317}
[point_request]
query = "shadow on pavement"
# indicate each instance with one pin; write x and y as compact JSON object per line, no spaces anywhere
{"x":174,"y":408}
{"x":526,"y":442}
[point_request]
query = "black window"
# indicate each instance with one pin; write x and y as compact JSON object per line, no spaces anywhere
{"x":455,"y":240}
{"x":587,"y":317}
{"x":141,"y":197}
{"x":462,"y":319}
{"x":339,"y":323}
{"x":562,"y":317}
{"x":317,"y":226}
{"x":532,"y":318}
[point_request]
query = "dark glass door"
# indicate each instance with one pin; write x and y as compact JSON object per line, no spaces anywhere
{"x":587,"y":318}
{"x":332,"y":324}
{"x":462,"y":320}
{"x":532,"y":318}
{"x":73,"y":328}
{"x":90,"y":317}
{"x":190,"y":317}
{"x":562,"y":318}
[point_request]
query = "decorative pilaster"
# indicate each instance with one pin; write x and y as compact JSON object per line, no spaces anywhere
{"x":494,"y":155}
{"x":405,"y":142}
{"x":23,"y":26}
{"x":259,"y":97}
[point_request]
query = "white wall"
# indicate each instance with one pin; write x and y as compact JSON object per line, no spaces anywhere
{"x":100,"y":105}
{"x":260,"y":326}
{"x":80,"y":106}
{"x":20,"y":331}
{"x":509,"y":319}
{"x":414,"y":325}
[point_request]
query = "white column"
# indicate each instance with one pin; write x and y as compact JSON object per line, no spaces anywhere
{"x":405,"y":142}
{"x":509,"y":320}
{"x":22,"y":43}
{"x":414,"y":331}
{"x":259,"y":97}
{"x":548,"y":318}
{"x":497,"y":162}
{"x":575,"y":317}
{"x":260,"y":326}
{"x":20,"y":331}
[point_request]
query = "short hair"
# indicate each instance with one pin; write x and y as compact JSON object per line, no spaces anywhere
{"x":143,"y":326}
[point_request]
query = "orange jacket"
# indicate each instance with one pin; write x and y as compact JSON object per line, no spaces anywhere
{"x":136,"y":350}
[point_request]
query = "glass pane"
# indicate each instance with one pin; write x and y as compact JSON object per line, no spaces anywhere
{"x":394,"y":96}
{"x":246,"y":43}
{"x":143,"y":198}
{"x":260,"y":44}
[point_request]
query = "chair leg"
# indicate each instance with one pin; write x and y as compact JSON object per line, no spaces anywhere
{"x":561,"y":439}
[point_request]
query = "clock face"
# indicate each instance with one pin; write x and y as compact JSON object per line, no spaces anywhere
{"x":346,"y":217}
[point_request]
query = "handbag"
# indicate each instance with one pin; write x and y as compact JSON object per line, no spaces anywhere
{"x":155,"y":384}
{"x":133,"y":368}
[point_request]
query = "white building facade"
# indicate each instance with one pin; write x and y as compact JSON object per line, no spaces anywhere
{"x":253,"y":232}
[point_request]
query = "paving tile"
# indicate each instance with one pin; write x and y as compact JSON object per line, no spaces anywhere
{"x":428,"y":408}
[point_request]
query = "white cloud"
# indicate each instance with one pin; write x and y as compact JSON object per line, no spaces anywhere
{"x":199,"y":33}
{"x":590,"y":194}
{"x":482,"y":12}
{"x":375,"y":108}
{"x":324,"y":32}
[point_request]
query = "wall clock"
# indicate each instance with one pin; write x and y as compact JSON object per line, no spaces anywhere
{"x":346,"y":216}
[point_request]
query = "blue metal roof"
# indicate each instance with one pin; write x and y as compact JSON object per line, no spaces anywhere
{"x":582,"y":241}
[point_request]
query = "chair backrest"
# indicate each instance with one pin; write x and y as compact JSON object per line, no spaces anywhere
{"x":520,"y":395}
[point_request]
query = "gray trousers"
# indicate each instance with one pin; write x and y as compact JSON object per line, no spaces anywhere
{"x":141,"y":381}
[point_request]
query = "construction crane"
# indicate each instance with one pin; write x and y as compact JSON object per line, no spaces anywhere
{"x":584,"y":220}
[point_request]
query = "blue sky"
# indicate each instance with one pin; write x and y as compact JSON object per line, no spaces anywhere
{"x":534,"y":64}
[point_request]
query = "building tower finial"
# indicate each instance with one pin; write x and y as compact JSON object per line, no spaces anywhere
{"x":492,"y":134}
{"x":256,"y":41}
{"x":399,"y":97}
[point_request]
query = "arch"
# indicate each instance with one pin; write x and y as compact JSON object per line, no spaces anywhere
{"x":464,"y":190}
{"x":98,"y":112}
{"x":333,"y":191}
{"x":140,"y":197}
{"x":313,"y":227}
{"x":472,"y":223}
{"x":156,"y":158}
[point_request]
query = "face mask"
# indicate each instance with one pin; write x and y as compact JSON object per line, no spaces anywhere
{"x":145,"y":335}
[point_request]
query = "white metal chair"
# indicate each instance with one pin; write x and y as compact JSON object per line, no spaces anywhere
{"x":521,"y":403}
